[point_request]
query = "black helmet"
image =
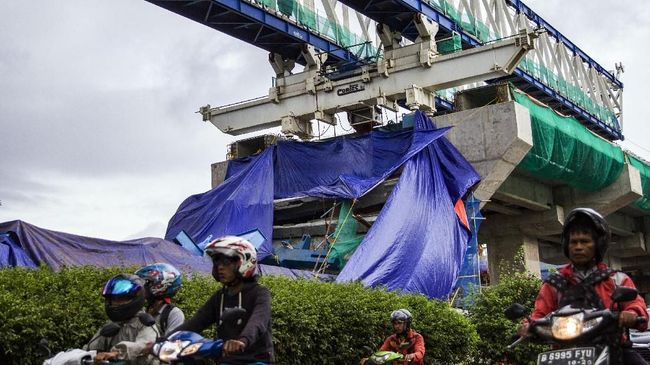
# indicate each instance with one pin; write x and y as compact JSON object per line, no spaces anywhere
{"x":130,"y":287}
{"x":587,"y":218}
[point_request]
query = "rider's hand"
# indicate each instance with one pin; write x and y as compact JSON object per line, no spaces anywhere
{"x":627,"y":319}
{"x":106,"y":356}
{"x":233,"y":346}
{"x":363,"y":361}
{"x":148,"y":348}
{"x":522,"y":331}
{"x":409,"y":357}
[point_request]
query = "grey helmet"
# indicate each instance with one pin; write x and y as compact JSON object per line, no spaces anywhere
{"x":602,"y":233}
{"x":402,"y":315}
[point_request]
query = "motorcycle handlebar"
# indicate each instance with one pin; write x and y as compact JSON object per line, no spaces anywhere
{"x":92,"y":362}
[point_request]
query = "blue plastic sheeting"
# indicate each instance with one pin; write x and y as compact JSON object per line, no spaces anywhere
{"x":419,"y":217}
{"x":57,"y":249}
{"x":418,"y":242}
{"x":344,"y":167}
{"x":11,"y":254}
{"x":243,"y":202}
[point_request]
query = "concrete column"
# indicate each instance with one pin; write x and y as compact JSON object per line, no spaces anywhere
{"x":518,"y":251}
{"x":219,"y":172}
{"x":493,"y":138}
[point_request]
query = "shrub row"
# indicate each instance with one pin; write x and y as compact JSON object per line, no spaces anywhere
{"x":313,"y":322}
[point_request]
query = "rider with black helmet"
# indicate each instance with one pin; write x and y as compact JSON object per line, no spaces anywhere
{"x":124,"y":299}
{"x":586,"y":281}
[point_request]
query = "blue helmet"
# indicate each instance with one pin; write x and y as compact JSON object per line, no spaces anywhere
{"x":161,"y":280}
{"x":124,"y":286}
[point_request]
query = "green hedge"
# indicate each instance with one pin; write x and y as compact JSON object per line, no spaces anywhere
{"x":495,"y":331}
{"x":313,"y":322}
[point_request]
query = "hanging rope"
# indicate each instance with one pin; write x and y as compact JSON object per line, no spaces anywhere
{"x":323,"y":266}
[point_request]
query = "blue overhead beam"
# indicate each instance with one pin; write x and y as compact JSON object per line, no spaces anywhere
{"x":255,"y":26}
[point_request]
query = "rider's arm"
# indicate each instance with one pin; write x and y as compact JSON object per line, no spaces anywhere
{"x":546,"y":302}
{"x":203,"y":318}
{"x":387,"y":346}
{"x":133,"y":350}
{"x":418,"y":348}
{"x":637,"y":305}
{"x":175,"y":319}
{"x":257,"y":324}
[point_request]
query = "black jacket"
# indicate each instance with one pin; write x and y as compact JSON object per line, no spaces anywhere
{"x":256,"y":331}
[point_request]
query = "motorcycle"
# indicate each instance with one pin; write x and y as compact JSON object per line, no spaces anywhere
{"x":382,"y":357}
{"x":83,"y":357}
{"x":584,"y":336}
{"x":186,"y":346}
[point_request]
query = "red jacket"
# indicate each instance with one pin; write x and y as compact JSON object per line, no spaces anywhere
{"x":417,"y":346}
{"x":547,"y":300}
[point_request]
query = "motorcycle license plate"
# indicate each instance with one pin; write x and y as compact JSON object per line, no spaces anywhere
{"x":575,"y":356}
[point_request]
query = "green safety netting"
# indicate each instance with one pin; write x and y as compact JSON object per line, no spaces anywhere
{"x":467,"y":22}
{"x":565,"y":150}
{"x":345,"y":238}
{"x":450,"y":45}
{"x":310,"y":19}
{"x":644,"y":169}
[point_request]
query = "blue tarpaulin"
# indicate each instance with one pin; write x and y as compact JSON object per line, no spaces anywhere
{"x":57,"y":249}
{"x":33,"y":245}
{"x":416,"y":244}
{"x":11,"y":254}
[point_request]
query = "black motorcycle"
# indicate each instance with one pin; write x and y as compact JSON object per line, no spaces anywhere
{"x":581,"y":336}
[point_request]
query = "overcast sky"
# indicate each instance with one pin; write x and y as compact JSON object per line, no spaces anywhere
{"x":99,"y":135}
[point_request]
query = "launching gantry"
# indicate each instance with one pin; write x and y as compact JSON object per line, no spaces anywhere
{"x":406,"y":75}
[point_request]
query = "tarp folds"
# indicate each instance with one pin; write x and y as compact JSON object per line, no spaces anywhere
{"x":340,"y":168}
{"x":57,"y":249}
{"x":419,"y":218}
{"x":11,"y":254}
{"x":417,"y":242}
{"x":241,"y":203}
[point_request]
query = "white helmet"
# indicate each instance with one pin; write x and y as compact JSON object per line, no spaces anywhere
{"x":238,"y":248}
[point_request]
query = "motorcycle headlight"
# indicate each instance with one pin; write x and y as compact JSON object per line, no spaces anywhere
{"x":170,"y":350}
{"x":567,"y":328}
{"x":380,"y":359}
{"x":189,"y":350}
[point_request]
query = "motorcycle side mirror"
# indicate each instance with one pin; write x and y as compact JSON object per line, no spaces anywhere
{"x":624,"y":294}
{"x":367,"y":351}
{"x":146,"y":319}
{"x":45,"y":344}
{"x":231,"y":316}
{"x":110,"y":330}
{"x":515,"y":311}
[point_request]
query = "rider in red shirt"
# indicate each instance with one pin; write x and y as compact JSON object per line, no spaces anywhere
{"x":586,"y":281}
{"x":404,"y":340}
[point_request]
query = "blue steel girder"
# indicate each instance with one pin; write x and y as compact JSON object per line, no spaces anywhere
{"x":398,"y":15}
{"x":253,"y":25}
